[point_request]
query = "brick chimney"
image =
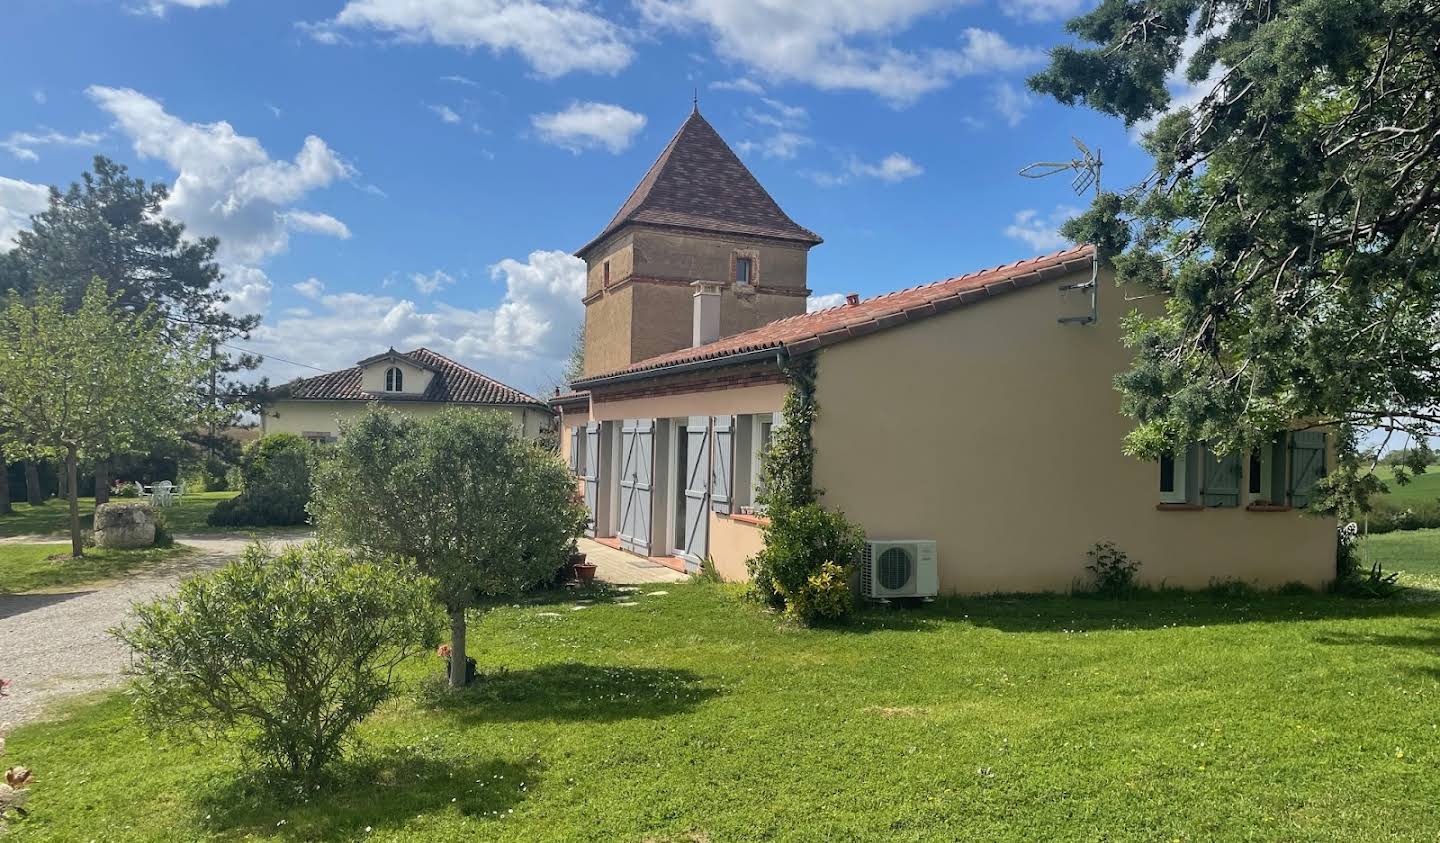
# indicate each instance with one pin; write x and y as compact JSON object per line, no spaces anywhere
{"x":706,"y":321}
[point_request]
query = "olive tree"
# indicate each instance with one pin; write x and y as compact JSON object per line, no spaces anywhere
{"x":91,"y":383}
{"x":460,"y":495}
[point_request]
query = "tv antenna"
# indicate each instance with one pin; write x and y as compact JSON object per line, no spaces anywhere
{"x":1086,"y":175}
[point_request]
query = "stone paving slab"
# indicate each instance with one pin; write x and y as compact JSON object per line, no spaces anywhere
{"x":620,"y":568}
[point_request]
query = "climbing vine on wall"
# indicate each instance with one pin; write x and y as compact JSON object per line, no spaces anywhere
{"x":787,"y":469}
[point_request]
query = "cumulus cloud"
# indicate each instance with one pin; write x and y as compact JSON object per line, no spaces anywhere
{"x":160,"y":7}
{"x":428,"y":284}
{"x":226,"y":184}
{"x":814,"y":303}
{"x":249,"y":289}
{"x":310,"y":288}
{"x":445,"y":113}
{"x":784,"y":122}
{"x":589,"y":125}
{"x":554,"y":36}
{"x":1039,"y":11}
{"x":22,"y":145}
{"x":521,"y":341}
{"x":783,"y":145}
{"x":1041,"y":231}
{"x":1012,"y":102}
{"x":892,"y":168}
{"x":18,"y":201}
{"x":840,"y":44}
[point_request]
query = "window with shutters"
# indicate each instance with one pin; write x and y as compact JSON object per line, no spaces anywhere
{"x":1307,"y":465}
{"x":1221,"y":484}
{"x":1265,"y":479}
{"x":752,"y":437}
{"x":1176,"y":473}
{"x":744,"y":270}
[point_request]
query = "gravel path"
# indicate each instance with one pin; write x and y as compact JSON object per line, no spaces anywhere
{"x":54,"y":645}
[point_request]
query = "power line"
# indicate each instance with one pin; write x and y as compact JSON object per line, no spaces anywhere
{"x":270,"y":357}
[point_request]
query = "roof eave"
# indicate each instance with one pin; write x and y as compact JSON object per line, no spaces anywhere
{"x":769,"y":352}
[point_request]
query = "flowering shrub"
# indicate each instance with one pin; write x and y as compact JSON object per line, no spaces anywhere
{"x":825,"y":596}
{"x":799,"y":543}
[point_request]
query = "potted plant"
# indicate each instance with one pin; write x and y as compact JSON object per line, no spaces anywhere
{"x":579,"y":568}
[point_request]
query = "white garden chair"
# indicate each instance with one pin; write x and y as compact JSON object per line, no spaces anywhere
{"x":161,"y":494}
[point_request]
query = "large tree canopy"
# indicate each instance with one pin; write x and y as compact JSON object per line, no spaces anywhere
{"x":1292,"y":214}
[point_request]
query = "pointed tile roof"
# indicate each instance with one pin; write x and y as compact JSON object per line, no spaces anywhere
{"x":453,"y":383}
{"x":699,"y":183}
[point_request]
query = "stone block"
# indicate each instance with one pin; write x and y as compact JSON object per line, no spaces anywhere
{"x":124,"y":525}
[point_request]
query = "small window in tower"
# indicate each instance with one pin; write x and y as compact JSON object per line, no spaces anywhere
{"x":394,"y":380}
{"x":607,"y":273}
{"x":744,"y":270}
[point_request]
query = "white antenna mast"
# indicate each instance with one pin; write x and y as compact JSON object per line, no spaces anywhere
{"x":1086,"y":171}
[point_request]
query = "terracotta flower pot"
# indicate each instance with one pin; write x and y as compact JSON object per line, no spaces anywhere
{"x":585,"y":572}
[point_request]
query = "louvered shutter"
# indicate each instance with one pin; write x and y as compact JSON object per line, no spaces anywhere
{"x":723,"y":470}
{"x":1221,"y":484}
{"x":1307,"y":465}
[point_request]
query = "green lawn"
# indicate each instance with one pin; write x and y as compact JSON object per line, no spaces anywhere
{"x":1424,"y":487}
{"x":29,"y":567}
{"x":1416,"y":552}
{"x":53,"y":517}
{"x":693,"y":716}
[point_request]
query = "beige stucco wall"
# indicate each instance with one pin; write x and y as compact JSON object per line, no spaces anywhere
{"x":997,"y":432}
{"x":620,"y":253}
{"x":302,"y":417}
{"x":732,"y":542}
{"x":765,"y":398}
{"x":414,"y":379}
{"x":607,"y":331}
{"x":691,"y":256}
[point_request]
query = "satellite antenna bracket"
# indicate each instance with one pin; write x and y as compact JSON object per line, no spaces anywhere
{"x":1086,"y":169}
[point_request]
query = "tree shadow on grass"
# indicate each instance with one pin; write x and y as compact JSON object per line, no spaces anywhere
{"x":368,"y":793}
{"x":1425,"y":638}
{"x":1045,"y":613}
{"x":572,"y":691}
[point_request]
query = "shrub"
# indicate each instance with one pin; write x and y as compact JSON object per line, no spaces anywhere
{"x":282,"y":654}
{"x":1387,"y":516}
{"x":163,"y":536}
{"x":276,"y":477}
{"x":1114,"y":571}
{"x":799,"y":541}
{"x":825,"y":596}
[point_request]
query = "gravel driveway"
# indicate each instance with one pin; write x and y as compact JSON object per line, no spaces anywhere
{"x":54,"y":645}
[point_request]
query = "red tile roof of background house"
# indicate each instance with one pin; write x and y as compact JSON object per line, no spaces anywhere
{"x":806,"y":332}
{"x":452,"y":383}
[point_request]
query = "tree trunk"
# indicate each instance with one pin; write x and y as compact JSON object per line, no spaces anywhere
{"x":5,"y":508}
{"x":62,"y":484}
{"x":33,"y":495}
{"x":102,"y":482}
{"x":77,"y":547}
{"x":457,"y":649}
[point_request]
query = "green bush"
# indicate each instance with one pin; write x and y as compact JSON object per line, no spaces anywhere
{"x":282,"y":654}
{"x":799,"y":541}
{"x":825,"y":596}
{"x":1113,"y":570}
{"x":1387,"y":516}
{"x":276,"y":477}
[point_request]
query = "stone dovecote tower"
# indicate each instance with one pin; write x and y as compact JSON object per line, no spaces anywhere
{"x":697,"y":215}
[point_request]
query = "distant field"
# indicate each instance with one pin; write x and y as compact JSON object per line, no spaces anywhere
{"x":1415,"y":552}
{"x":1425,"y":487}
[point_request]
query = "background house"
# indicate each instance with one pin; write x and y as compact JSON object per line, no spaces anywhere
{"x":418,"y":382}
{"x":978,"y":412}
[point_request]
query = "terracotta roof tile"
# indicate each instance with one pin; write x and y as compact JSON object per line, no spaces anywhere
{"x":452,"y":383}
{"x":809,"y":331}
{"x":699,"y":183}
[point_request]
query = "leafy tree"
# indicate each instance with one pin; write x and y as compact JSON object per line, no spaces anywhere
{"x":89,"y":383}
{"x":289,"y":653}
{"x":575,"y":363}
{"x":111,"y":226}
{"x":276,"y":472}
{"x":1292,"y":215}
{"x":460,"y":495}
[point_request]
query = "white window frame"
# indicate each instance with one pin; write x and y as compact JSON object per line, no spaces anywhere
{"x":397,"y":384}
{"x":1180,"y":493}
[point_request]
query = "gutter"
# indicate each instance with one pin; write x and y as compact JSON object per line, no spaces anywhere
{"x":680,"y":368}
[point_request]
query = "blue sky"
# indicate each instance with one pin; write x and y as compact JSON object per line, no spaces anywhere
{"x":394,"y":172}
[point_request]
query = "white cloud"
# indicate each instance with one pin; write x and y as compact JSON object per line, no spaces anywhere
{"x":226,"y":184}
{"x":445,"y":113}
{"x":784,"y":145}
{"x":1039,"y":231}
{"x":317,"y":224}
{"x":784,"y":121}
{"x":744,"y":85}
{"x":1183,"y":93}
{"x":274,"y":109}
{"x":554,"y":36}
{"x":892,"y":168}
{"x":18,"y":200}
{"x":840,"y":44}
{"x":22,"y":144}
{"x":429,"y":284}
{"x":828,"y":300}
{"x":249,"y":289}
{"x":310,"y":288}
{"x":460,"y":80}
{"x":39,"y":96}
{"x":159,"y":7}
{"x":1038,"y":11}
{"x":1012,"y":102}
{"x":522,"y":341}
{"x":587,"y":125}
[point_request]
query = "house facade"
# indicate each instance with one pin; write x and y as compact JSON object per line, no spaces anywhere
{"x":418,"y":382}
{"x":978,"y":412}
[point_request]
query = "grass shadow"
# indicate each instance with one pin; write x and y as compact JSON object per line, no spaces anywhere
{"x":1424,"y":638}
{"x":368,"y":793}
{"x":1046,"y":613}
{"x":572,"y":691}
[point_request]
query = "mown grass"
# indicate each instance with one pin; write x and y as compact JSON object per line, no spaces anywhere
{"x":1416,"y":553}
{"x":696,"y":716}
{"x":52,"y":518}
{"x":30,"y":567}
{"x":1422,"y":487}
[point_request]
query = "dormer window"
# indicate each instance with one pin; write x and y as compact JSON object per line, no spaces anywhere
{"x":394,"y":379}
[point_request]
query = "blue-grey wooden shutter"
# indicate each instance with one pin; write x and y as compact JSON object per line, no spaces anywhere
{"x":722,"y":473}
{"x":1221,"y":484}
{"x":697,"y":489}
{"x":1307,"y":465}
{"x":637,"y":448}
{"x":591,"y":473}
{"x":575,"y":450}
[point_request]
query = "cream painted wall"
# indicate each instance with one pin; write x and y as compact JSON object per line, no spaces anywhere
{"x":732,"y":542}
{"x":302,"y":417}
{"x":414,"y":380}
{"x":997,"y":432}
{"x":765,"y":398}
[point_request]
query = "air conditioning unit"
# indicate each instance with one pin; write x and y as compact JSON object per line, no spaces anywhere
{"x":899,"y":568}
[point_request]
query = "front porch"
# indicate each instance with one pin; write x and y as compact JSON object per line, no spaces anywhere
{"x":620,"y":567}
